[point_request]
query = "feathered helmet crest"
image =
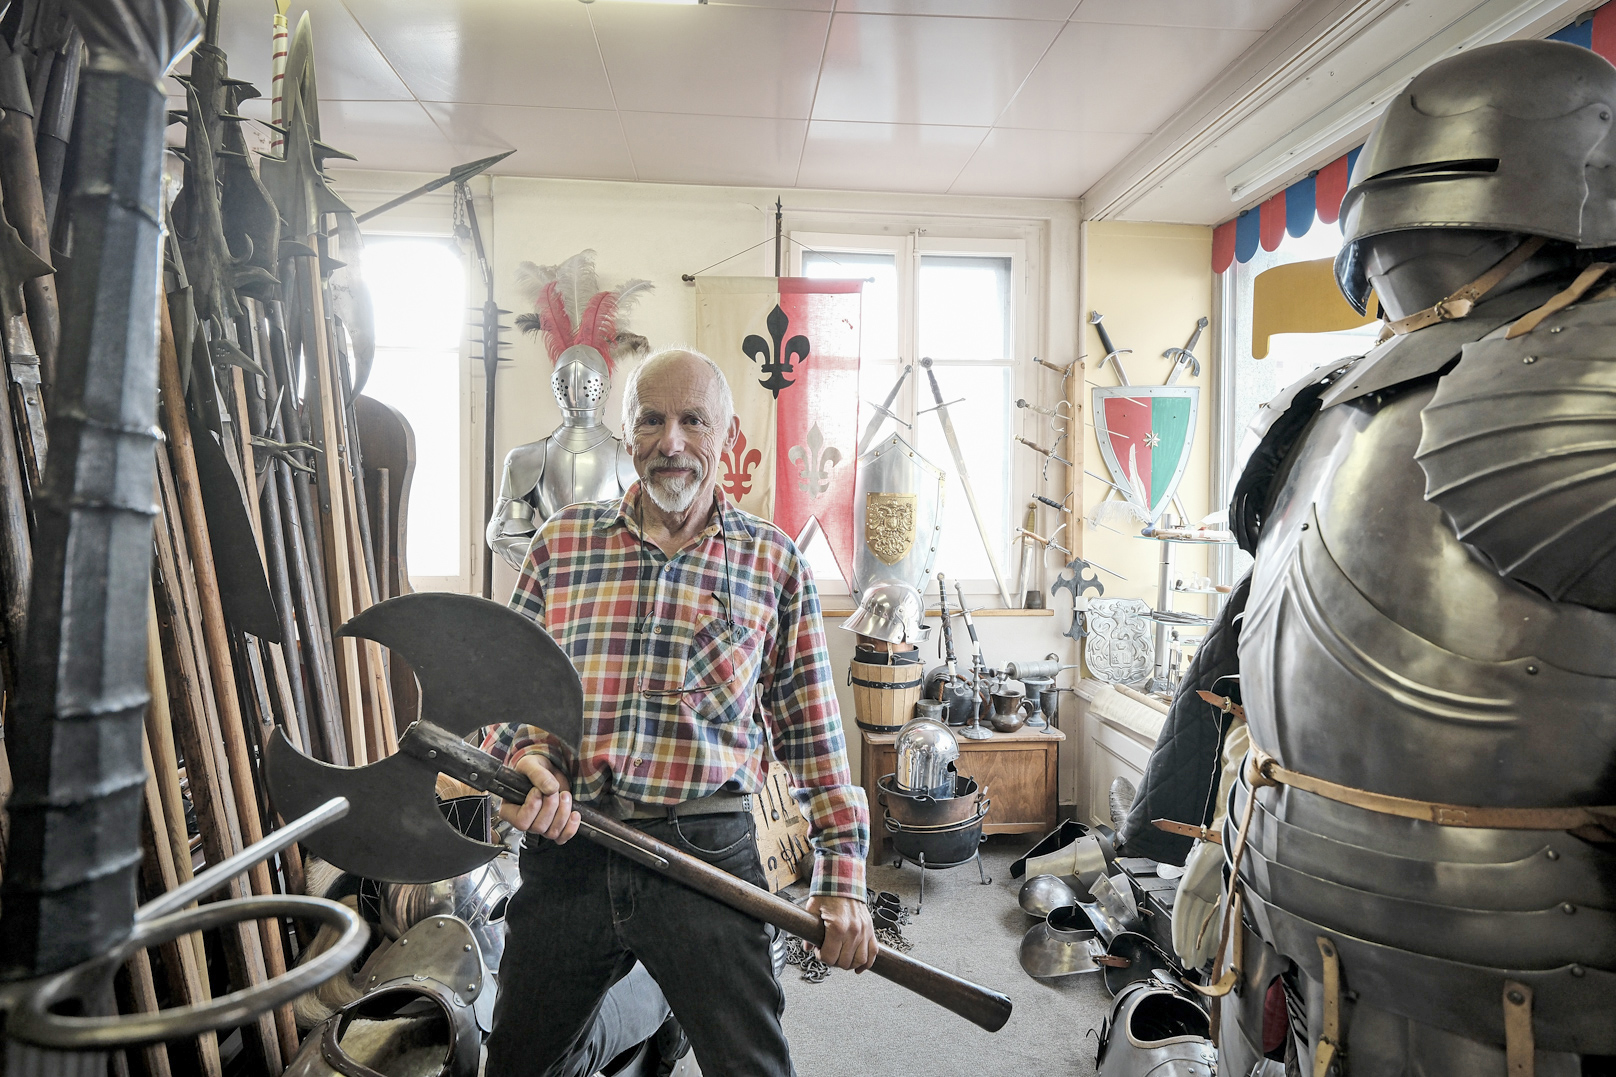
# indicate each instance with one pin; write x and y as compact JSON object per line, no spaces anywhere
{"x":571,"y":308}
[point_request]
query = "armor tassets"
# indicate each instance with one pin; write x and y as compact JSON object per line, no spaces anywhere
{"x":1431,"y":618}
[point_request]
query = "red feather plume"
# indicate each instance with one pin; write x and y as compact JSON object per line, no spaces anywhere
{"x":558,"y":335}
{"x":597,"y":327}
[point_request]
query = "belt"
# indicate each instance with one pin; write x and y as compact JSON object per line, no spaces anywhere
{"x":712,"y":804}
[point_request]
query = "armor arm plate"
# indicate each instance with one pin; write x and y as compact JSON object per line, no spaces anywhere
{"x":626,"y":475}
{"x":1275,"y":430}
{"x":511,"y":527}
{"x":1518,"y":447}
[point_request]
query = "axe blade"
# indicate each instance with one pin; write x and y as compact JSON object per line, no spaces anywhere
{"x":478,"y":662}
{"x":393,"y":832}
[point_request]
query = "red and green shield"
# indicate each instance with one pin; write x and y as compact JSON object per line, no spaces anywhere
{"x":1145,"y":434}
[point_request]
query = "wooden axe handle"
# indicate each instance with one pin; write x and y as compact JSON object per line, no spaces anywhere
{"x":456,"y":758}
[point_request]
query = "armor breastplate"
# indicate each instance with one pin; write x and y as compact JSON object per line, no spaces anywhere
{"x":1381,"y":652}
{"x":580,"y":464}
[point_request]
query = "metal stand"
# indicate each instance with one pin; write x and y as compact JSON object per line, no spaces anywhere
{"x":981,"y":872}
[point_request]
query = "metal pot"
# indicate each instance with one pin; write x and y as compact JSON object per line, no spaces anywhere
{"x":1007,"y":716}
{"x":937,"y":847}
{"x":926,"y":755}
{"x":919,"y":810}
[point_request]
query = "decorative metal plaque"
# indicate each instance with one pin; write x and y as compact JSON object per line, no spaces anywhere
{"x":1121,"y":643}
{"x":889,"y":525}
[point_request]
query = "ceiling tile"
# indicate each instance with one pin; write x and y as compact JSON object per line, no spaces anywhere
{"x":673,"y":148}
{"x":490,"y":52}
{"x":1041,"y":164}
{"x":386,"y":135}
{"x":997,"y":9}
{"x":1227,"y":14}
{"x":1111,"y":77}
{"x":922,"y":69}
{"x":346,"y":63}
{"x":778,"y":5}
{"x":734,"y":61}
{"x":574,"y":143}
{"x":885,"y":156}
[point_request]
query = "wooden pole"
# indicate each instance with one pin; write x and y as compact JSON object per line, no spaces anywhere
{"x":216,"y":637}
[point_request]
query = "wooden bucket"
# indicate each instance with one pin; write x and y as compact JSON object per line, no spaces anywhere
{"x":884,"y":697}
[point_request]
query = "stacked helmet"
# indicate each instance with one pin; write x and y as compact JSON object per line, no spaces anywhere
{"x":890,"y":611}
{"x":1513,"y":137}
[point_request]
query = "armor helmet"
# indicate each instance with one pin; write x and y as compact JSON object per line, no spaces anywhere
{"x":890,"y":611}
{"x":1512,"y":137}
{"x":478,"y":898}
{"x":581,"y":379}
{"x":1043,"y":894}
{"x":926,"y":754}
{"x":1155,"y":1030}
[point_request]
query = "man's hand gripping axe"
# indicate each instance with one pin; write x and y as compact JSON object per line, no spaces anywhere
{"x":479,"y":663}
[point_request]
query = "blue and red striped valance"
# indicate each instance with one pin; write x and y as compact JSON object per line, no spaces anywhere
{"x":1317,"y":196}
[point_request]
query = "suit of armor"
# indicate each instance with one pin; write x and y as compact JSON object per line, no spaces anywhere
{"x":1432,"y":613}
{"x":580,"y":460}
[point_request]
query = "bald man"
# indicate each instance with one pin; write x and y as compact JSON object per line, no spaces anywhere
{"x":696,"y":630}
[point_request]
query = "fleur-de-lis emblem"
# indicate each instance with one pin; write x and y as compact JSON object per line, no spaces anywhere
{"x":776,"y":362}
{"x":739,"y":463}
{"x":814,"y":463}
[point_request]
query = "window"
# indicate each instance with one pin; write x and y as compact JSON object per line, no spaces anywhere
{"x":956,"y":302}
{"x":418,"y":289}
{"x":1249,"y":382}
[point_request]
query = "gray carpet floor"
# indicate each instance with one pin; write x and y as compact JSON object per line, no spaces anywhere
{"x":863,"y":1025}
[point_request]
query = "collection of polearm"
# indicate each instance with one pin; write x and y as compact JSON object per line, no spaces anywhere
{"x":208,"y":516}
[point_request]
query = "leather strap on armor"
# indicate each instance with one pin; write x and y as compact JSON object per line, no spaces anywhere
{"x":1560,"y":300}
{"x":1591,"y":824}
{"x":1459,"y":304}
{"x":1520,"y":1048}
{"x":1188,"y":830}
{"x":1329,"y":1046}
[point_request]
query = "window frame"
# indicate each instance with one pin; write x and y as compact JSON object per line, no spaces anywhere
{"x":1026,"y":320}
{"x":435,"y":228}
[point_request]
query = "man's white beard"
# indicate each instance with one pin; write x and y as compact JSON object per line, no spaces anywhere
{"x":675,"y":495}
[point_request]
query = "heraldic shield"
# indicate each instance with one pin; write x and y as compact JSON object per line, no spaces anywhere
{"x":897,"y":513}
{"x":1146,"y":433}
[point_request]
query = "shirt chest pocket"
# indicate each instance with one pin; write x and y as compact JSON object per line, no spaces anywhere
{"x":715,"y":675}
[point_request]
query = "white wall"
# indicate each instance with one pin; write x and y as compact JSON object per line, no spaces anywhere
{"x":660,"y":232}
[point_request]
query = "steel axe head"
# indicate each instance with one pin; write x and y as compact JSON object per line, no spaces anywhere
{"x":478,"y":663}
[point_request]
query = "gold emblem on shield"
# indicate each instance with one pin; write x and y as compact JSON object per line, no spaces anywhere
{"x":889,"y":525}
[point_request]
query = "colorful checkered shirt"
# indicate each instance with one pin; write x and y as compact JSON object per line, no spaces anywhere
{"x":693,"y":676}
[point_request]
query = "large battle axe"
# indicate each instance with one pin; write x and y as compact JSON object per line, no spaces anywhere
{"x":480,"y":663}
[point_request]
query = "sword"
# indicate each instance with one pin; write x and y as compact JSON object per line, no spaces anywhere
{"x":1041,"y":451}
{"x":1111,"y":351}
{"x":1185,"y":355}
{"x":965,"y":480}
{"x":882,"y":411}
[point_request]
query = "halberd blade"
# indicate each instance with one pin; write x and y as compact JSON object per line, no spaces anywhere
{"x":478,"y":662}
{"x":393,"y":832}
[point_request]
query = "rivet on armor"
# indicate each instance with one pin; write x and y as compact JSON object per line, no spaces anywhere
{"x":1558,"y":329}
{"x":471,"y":987}
{"x":404,"y":942}
{"x":1568,"y":908}
{"x":1551,"y":854}
{"x":1529,"y":360}
{"x":1304,"y":527}
{"x":1532,"y":670}
{"x":1516,"y":997}
{"x":466,"y":948}
{"x":1578,"y":971}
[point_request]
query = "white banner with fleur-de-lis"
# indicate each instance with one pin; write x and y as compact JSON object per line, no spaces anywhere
{"x":790,"y":349}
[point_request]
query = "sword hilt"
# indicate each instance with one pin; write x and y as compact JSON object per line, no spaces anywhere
{"x":1099,"y":327}
{"x":948,"y":622}
{"x":931,"y":375}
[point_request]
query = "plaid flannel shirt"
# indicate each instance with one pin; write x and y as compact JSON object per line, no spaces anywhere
{"x":693,"y":675}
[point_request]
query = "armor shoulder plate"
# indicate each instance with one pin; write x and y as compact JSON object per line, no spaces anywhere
{"x":1518,"y":446}
{"x":1268,"y":441}
{"x":1417,"y":355}
{"x":524,"y":467}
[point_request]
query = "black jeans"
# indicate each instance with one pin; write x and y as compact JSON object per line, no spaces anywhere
{"x":582,"y":917}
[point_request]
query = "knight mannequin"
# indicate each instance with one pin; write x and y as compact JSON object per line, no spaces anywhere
{"x":581,"y":459}
{"x":1432,"y":610}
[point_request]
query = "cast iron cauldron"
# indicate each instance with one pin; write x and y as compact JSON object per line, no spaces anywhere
{"x":918,"y":809}
{"x":937,"y":847}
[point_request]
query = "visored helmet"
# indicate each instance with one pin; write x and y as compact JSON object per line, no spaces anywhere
{"x":581,"y":379}
{"x":1513,"y":137}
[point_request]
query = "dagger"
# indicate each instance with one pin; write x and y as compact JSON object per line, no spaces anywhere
{"x":965,"y":480}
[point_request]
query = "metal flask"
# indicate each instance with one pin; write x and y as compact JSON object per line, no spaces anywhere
{"x":926,"y":755}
